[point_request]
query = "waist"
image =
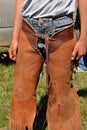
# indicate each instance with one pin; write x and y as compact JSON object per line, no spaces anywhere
{"x":60,"y":16}
{"x":56,"y":22}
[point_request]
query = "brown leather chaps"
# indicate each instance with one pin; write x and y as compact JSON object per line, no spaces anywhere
{"x":63,"y":111}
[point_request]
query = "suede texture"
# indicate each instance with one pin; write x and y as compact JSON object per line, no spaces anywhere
{"x":63,"y":111}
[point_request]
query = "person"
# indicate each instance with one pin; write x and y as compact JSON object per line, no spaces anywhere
{"x":82,"y":63}
{"x":43,"y":32}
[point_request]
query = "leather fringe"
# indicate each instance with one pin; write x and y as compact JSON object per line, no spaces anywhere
{"x":16,"y":126}
{"x":68,"y":125}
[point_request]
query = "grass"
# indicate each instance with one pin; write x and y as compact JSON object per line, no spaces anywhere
{"x":6,"y":83}
{"x":80,"y":79}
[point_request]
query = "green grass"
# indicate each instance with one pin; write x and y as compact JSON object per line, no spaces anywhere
{"x":80,"y":80}
{"x":6,"y":83}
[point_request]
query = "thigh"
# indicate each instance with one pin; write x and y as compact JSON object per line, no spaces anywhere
{"x":60,"y":60}
{"x":60,"y":68}
{"x":28,"y":67}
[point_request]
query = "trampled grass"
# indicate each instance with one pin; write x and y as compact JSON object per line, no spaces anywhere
{"x":6,"y":83}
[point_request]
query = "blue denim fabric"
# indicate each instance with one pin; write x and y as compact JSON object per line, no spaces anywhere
{"x":83,"y":63}
{"x":48,"y":26}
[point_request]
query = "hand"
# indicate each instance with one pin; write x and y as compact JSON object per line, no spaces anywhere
{"x":13,"y":50}
{"x":80,"y":49}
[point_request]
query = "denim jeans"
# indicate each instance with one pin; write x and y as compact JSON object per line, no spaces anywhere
{"x":83,"y":63}
{"x":48,"y":26}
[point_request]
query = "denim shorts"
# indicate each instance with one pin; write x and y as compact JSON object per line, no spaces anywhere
{"x":48,"y":26}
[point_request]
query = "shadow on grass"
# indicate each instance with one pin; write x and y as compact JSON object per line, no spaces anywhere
{"x":4,"y":58}
{"x":82,"y":92}
{"x":40,"y":120}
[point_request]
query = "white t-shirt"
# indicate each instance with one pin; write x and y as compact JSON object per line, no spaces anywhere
{"x":47,"y":8}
